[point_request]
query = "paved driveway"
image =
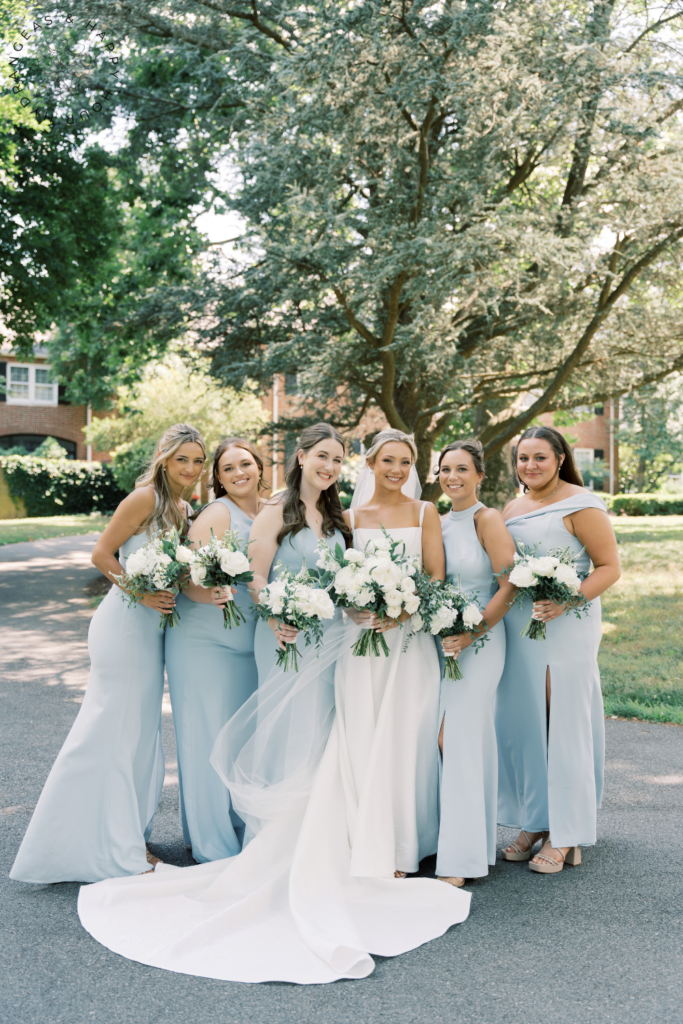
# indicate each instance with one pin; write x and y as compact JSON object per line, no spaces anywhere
{"x":598,"y":943}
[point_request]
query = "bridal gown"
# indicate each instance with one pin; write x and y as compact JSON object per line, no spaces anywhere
{"x":551,"y":776}
{"x":312,"y":895}
{"x":211,"y":672}
{"x":96,"y":810}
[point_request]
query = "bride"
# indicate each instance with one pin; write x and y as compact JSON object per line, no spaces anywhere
{"x":337,"y":803}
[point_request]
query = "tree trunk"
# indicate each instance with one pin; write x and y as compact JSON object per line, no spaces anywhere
{"x":640,"y":475}
{"x":498,"y":486}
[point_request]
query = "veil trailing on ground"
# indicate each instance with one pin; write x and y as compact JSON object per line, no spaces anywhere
{"x":365,"y":486}
{"x":268,"y":753}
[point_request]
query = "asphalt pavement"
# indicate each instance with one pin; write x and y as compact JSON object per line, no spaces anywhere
{"x":598,"y":943}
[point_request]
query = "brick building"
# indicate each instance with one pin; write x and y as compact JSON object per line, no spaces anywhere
{"x":33,"y":407}
{"x":595,"y":447}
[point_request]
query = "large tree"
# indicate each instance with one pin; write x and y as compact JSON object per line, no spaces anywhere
{"x":450,"y":206}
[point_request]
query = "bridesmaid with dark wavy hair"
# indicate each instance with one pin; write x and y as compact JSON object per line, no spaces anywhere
{"x":549,"y":714}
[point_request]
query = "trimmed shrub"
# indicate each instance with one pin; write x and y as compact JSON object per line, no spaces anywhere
{"x":131,"y":460}
{"x":50,"y":487}
{"x":645,"y":504}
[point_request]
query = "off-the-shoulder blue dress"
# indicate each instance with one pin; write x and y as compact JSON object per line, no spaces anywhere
{"x":551,"y":776}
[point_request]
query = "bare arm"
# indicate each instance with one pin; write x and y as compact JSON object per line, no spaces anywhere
{"x":433,"y":557}
{"x":214,"y":517}
{"x":126,"y":521}
{"x":262,"y":549}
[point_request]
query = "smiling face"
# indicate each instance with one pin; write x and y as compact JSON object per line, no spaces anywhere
{"x":458,"y":476}
{"x":238,"y":472}
{"x":391,"y":465}
{"x":321,"y":464}
{"x":184,"y":467}
{"x":537,"y":463}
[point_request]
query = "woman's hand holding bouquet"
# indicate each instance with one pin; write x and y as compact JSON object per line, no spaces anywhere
{"x":295,"y":600}
{"x":546,"y":578}
{"x":223,"y":563}
{"x":159,"y":565}
{"x":378,"y":580}
{"x":446,"y":612}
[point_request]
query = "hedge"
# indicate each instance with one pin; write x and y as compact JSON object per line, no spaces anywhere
{"x":645,"y":504}
{"x":51,"y":487}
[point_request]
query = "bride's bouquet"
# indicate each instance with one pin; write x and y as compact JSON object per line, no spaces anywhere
{"x":551,"y":577}
{"x":223,"y":562}
{"x":378,"y":579}
{"x":294,"y":599}
{"x":160,"y":564}
{"x":446,"y":611}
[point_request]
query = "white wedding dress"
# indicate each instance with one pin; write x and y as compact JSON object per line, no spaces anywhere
{"x":313,"y":894}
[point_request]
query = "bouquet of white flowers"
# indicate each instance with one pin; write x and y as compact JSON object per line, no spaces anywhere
{"x":378,"y":579}
{"x":296,"y":600}
{"x":223,"y":562}
{"x":160,"y":564}
{"x":446,"y":611}
{"x":551,"y":577}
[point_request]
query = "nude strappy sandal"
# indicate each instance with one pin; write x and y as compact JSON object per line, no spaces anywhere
{"x":516,"y":852}
{"x":457,"y":882}
{"x":550,"y":866}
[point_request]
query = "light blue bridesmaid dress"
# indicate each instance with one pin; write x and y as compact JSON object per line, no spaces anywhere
{"x":294,"y":550}
{"x":211,"y":672}
{"x":469,"y":775}
{"x":96,"y":810}
{"x":551,"y":777}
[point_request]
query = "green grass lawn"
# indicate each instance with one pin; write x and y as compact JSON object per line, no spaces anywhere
{"x":12,"y":531}
{"x":641,"y":655}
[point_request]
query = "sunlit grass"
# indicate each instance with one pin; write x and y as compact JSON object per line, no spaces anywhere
{"x":13,"y":531}
{"x":641,"y":655}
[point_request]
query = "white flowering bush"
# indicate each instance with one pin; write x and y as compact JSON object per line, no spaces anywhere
{"x":378,"y":579}
{"x":223,"y":562}
{"x":160,"y":564}
{"x":446,"y":611}
{"x":551,"y":577}
{"x":295,"y":599}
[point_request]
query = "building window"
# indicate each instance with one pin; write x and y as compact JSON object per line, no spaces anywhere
{"x":599,"y":410}
{"x":291,"y":383}
{"x":598,"y":453}
{"x":30,"y":385}
{"x":29,"y":442}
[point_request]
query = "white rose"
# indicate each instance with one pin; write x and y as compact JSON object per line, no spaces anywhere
{"x":412,"y":603}
{"x":163,"y":559}
{"x":567,"y":574}
{"x":417,"y":622}
{"x":135,"y":563}
{"x":383,"y":544}
{"x":394,"y":610}
{"x":363,"y":597}
{"x":198,"y":574}
{"x":387,"y":574}
{"x":321,"y":604}
{"x":234,"y":562}
{"x":392,"y":596}
{"x":471,"y":615}
{"x":408,"y":585}
{"x":544,"y":566}
{"x":354,"y":556}
{"x":183,"y":554}
{"x":522,"y":576}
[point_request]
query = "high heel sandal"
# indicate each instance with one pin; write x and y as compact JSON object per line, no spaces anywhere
{"x":516,"y":853}
{"x":457,"y":882}
{"x":550,"y":866}
{"x":151,"y":859}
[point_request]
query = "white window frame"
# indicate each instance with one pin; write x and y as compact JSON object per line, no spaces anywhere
{"x":31,"y":400}
{"x":587,"y":460}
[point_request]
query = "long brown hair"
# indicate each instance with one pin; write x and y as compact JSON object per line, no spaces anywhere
{"x":166,"y":515}
{"x":294,"y":510}
{"x":235,"y":442}
{"x":558,"y":443}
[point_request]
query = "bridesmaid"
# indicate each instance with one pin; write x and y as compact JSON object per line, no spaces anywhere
{"x":95,"y":812}
{"x":549,"y":714}
{"x":211,"y":669}
{"x":291,"y":526}
{"x":477,"y":544}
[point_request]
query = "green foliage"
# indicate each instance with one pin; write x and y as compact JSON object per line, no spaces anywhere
{"x":50,"y":449}
{"x":49,"y":487}
{"x":651,"y":435}
{"x":645,"y":504}
{"x":130,"y":461}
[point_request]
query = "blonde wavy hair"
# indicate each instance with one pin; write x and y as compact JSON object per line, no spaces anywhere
{"x":166,"y":515}
{"x":384,"y":436}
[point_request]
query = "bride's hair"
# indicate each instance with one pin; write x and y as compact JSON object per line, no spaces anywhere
{"x":387,"y":435}
{"x":294,"y":510}
{"x":166,"y":515}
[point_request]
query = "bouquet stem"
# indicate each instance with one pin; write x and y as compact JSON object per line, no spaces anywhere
{"x":370,"y":642}
{"x":232,"y":615}
{"x":169,"y":619}
{"x":534,"y":629}
{"x":288,"y":658}
{"x":451,"y":669}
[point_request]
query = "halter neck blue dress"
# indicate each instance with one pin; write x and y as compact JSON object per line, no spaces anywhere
{"x":97,"y":807}
{"x":211,"y":672}
{"x":293,"y":552}
{"x":469,"y":775}
{"x":551,"y":777}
